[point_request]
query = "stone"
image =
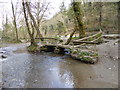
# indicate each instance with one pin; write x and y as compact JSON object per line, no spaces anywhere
{"x":3,"y":56}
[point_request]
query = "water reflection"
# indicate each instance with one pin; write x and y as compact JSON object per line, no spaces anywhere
{"x":47,"y":72}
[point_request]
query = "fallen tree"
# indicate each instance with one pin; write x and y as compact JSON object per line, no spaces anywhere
{"x":50,"y":38}
{"x":112,"y":36}
{"x":93,"y":39}
{"x":86,"y":56}
{"x":76,"y":52}
{"x":70,"y":38}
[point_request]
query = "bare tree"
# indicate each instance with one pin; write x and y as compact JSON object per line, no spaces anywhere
{"x":33,"y":20}
{"x":41,"y":8}
{"x":14,"y":21}
{"x":5,"y":26}
{"x":27,"y":24}
{"x":3,"y":33}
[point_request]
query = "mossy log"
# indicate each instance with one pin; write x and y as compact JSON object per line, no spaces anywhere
{"x":86,"y":56}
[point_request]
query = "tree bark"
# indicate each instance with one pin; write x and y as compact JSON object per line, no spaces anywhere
{"x":33,"y":20}
{"x":14,"y":21}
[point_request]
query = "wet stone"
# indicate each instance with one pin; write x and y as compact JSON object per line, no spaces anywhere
{"x":3,"y":56}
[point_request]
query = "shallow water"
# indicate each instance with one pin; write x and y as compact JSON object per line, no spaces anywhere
{"x":47,"y":70}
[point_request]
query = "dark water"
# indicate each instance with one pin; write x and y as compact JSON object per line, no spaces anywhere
{"x":46,"y":70}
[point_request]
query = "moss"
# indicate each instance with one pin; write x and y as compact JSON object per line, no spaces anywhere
{"x":75,"y":37}
{"x":86,"y":59}
{"x":95,"y":55}
{"x":85,"y":56}
{"x":57,"y":37}
{"x":74,"y":52}
{"x":99,"y":35}
{"x":90,"y":39}
{"x":33,"y":48}
{"x":43,"y":49}
{"x":89,"y":54}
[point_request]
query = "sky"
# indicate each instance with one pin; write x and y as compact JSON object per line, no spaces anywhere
{"x":5,"y":7}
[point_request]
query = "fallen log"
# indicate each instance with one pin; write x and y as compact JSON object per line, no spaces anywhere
{"x":86,"y":56}
{"x":49,"y":38}
{"x":93,"y":39}
{"x":92,"y":36}
{"x":82,"y":55}
{"x":70,"y":38}
{"x":60,"y":40}
{"x":112,"y":36}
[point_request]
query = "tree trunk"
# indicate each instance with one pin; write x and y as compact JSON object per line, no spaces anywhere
{"x":39,"y":18}
{"x":38,"y":13}
{"x":100,"y":14}
{"x":119,"y":17}
{"x":28,"y":28}
{"x":33,"y":20}
{"x":14,"y":21}
{"x":90,"y":20}
{"x":78,"y":18}
{"x":70,"y":38}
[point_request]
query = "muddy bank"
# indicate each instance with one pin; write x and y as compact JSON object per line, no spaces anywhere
{"x":47,"y":70}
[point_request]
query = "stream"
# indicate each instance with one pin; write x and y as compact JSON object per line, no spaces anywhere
{"x":22,"y":69}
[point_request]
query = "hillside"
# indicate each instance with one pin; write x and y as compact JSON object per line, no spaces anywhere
{"x":90,"y":19}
